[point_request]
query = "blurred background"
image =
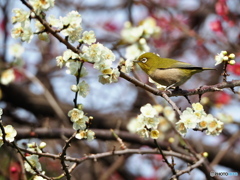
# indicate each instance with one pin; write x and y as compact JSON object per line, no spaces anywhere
{"x":39,"y":97}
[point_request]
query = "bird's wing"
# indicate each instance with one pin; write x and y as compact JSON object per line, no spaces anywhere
{"x":172,"y":63}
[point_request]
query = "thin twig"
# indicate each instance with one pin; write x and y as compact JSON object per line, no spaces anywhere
{"x":77,"y":81}
{"x":63,"y":156}
{"x":116,"y":152}
{"x":189,"y":168}
{"x":171,"y":166}
{"x":190,"y":92}
{"x":3,"y":132}
{"x":123,"y":146}
{"x":174,"y":106}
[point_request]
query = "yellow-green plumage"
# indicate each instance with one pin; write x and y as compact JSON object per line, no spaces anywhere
{"x":167,"y":72}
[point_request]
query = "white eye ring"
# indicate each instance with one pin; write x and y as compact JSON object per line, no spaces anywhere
{"x":144,"y":60}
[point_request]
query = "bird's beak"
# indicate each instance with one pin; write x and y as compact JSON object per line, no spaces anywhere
{"x":136,"y":61}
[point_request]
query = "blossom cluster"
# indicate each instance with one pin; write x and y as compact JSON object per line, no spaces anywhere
{"x":92,"y":52}
{"x":33,"y":159}
{"x":80,"y":121}
{"x":70,"y":27}
{"x":150,"y":123}
{"x":225,"y":56}
{"x":22,"y":20}
{"x":136,"y":37}
{"x":102,"y":57}
{"x":32,"y":164}
{"x":197,"y":118}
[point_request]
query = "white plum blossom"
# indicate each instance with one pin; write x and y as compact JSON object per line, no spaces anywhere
{"x":16,"y":50}
{"x":69,"y":54}
{"x":164,"y":124}
{"x":109,"y":76}
{"x":81,"y":123}
{"x":198,"y":110}
{"x":55,"y":22}
{"x":39,"y":27}
{"x":102,"y":65}
{"x":188,"y":118}
{"x":60,"y":61}
{"x":72,"y":22}
{"x":212,"y":123}
{"x":86,"y":134}
{"x":88,"y":37}
{"x":7,"y":76}
{"x":20,"y":15}
{"x":22,"y":31}
{"x":214,"y":128}
{"x":169,"y":113}
{"x":75,"y":114}
{"x":181,"y":128}
{"x":150,"y":27}
{"x":144,"y":133}
{"x":154,"y":134}
{"x":73,"y":67}
{"x":39,"y":177}
{"x":131,"y":34}
{"x":151,"y":122}
{"x":34,"y":161}
{"x":41,"y":5}
{"x":128,"y":65}
{"x":10,"y":134}
{"x":219,"y":58}
{"x":133,"y":51}
{"x":96,"y":53}
{"x":83,"y":89}
{"x":34,"y":147}
{"x":135,"y":124}
{"x":148,"y":111}
{"x":44,"y":37}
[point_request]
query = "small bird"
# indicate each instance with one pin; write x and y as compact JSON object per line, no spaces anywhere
{"x":167,"y":72}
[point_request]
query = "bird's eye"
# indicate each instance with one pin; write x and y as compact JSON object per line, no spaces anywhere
{"x":144,"y":60}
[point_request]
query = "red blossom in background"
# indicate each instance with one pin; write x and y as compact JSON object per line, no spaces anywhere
{"x":110,"y":26}
{"x":19,"y":76}
{"x":216,"y":26}
{"x":235,"y":69}
{"x":222,"y":98}
{"x":15,"y":171}
{"x":221,"y":9}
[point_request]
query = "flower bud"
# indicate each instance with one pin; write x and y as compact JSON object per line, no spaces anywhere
{"x":205,"y":154}
{"x":225,"y":58}
{"x":74,"y":88}
{"x":80,"y":106}
{"x":231,"y":62}
{"x":142,"y":41}
{"x":231,"y":56}
{"x":224,"y":52}
{"x":42,"y":145}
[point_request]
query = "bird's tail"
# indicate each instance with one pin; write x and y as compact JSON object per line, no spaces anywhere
{"x":208,"y":68}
